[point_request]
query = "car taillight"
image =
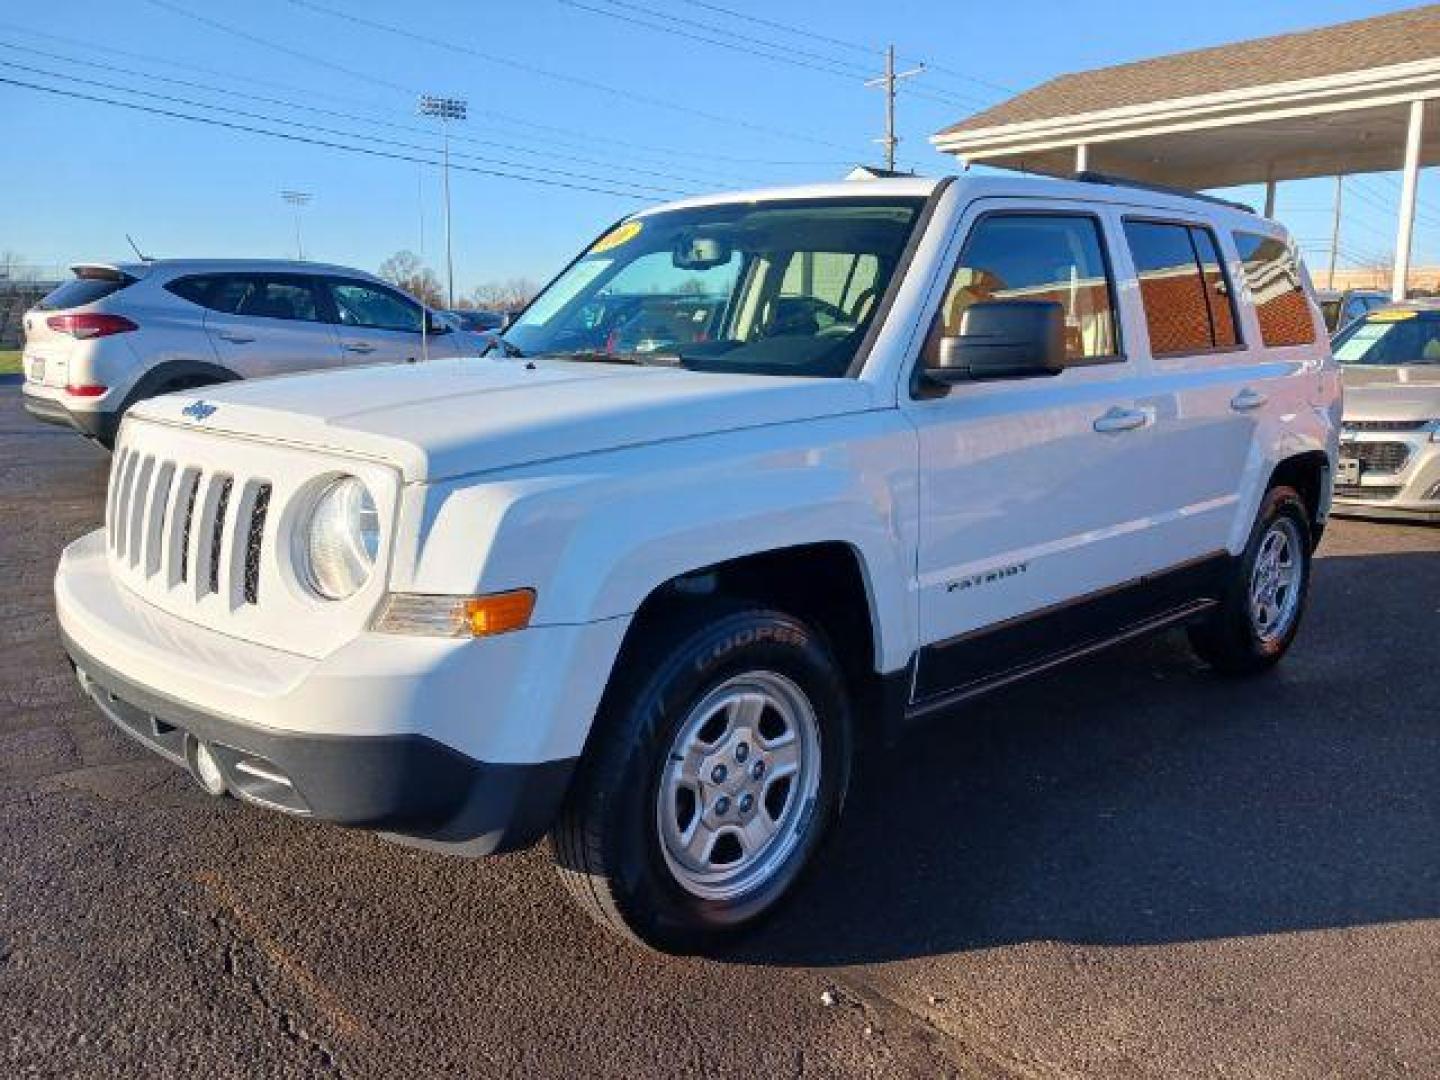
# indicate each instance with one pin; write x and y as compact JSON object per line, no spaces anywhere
{"x":90,"y":324}
{"x":86,"y":390}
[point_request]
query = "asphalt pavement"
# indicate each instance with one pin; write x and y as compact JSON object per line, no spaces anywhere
{"x":1130,"y":868}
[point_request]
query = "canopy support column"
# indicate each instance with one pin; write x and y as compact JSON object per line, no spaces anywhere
{"x":1082,"y":157}
{"x":1409,"y":181}
{"x":1269,"y":198}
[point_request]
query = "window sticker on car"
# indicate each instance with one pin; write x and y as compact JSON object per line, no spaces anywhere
{"x":1365,"y":335}
{"x":1392,"y":316}
{"x":621,"y":234}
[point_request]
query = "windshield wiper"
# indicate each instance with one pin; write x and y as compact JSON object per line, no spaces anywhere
{"x":637,"y":359}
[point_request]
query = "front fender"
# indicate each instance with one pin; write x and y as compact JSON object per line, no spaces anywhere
{"x":595,"y":535}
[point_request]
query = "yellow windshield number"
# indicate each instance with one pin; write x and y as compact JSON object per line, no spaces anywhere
{"x":621,"y":234}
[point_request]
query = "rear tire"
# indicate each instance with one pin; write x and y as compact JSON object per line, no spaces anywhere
{"x":1264,"y":599}
{"x":718,"y":763}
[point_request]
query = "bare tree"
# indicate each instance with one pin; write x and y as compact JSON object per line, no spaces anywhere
{"x":511,"y":294}
{"x":405,"y":269}
{"x":10,"y":263}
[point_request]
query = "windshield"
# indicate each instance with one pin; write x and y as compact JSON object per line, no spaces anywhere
{"x":776,"y":288}
{"x":1391,"y":339}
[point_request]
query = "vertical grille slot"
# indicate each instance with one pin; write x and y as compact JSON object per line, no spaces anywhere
{"x":217,"y":532}
{"x":155,"y":515}
{"x":193,"y":483}
{"x":254,"y":540}
{"x":112,"y":493}
{"x":122,"y":503}
{"x":135,"y":510}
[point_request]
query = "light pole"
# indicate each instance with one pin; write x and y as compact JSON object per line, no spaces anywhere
{"x":297,"y":199}
{"x":446,"y":109}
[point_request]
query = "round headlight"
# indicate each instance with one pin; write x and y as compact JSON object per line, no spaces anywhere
{"x":339,"y":539}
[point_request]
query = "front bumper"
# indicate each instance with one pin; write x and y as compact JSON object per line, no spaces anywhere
{"x":462,"y":745}
{"x":408,"y":786}
{"x":1410,"y":493}
{"x":95,"y":424}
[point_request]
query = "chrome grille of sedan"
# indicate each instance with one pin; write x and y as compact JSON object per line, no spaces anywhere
{"x":1377,"y":457}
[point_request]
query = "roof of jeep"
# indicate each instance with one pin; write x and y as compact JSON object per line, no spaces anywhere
{"x":1001,"y":185}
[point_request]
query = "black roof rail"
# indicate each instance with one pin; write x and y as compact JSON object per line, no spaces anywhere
{"x":1162,"y":189}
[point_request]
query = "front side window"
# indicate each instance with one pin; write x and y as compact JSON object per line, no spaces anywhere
{"x":1183,"y":288}
{"x":1273,"y":273}
{"x":1052,"y":257}
{"x":772,"y":288}
{"x":368,"y":306}
{"x":1390,"y":339}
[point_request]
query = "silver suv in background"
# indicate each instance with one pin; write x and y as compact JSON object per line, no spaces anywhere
{"x":118,"y":333}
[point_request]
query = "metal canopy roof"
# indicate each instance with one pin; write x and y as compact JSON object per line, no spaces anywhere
{"x":1319,"y":103}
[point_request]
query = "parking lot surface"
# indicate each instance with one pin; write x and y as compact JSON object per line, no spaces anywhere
{"x":1129,"y":868}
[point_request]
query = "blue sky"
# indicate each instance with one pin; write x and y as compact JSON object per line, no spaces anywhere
{"x":597,"y":100}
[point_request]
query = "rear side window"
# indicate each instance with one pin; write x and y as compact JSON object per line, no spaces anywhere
{"x":84,"y":289}
{"x":1273,"y":274}
{"x":1056,"y":257}
{"x":1183,"y":288}
{"x":255,"y":295}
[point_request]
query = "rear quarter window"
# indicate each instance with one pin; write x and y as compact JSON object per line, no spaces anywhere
{"x":1273,"y":273}
{"x":82,"y":291}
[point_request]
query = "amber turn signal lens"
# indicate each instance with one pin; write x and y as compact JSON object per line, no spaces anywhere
{"x":499,"y":613}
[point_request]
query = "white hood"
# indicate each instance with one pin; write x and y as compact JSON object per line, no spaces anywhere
{"x":451,"y":417}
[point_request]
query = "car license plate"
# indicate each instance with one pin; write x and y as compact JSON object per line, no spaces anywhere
{"x":1349,"y":473}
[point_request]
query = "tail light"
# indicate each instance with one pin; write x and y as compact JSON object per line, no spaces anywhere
{"x":90,"y":324}
{"x":85,"y":390}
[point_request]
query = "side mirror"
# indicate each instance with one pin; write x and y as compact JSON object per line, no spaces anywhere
{"x":1004,"y":339}
{"x":436,"y":324}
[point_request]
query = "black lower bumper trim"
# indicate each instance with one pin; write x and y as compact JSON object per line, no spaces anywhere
{"x":410,"y":787}
{"x":95,"y":425}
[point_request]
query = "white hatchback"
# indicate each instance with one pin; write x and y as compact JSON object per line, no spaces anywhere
{"x":118,"y":333}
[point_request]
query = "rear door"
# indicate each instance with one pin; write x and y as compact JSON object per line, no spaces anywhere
{"x":1206,"y":391}
{"x":269,"y":324}
{"x":377,"y":324}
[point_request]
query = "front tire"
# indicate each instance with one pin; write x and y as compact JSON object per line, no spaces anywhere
{"x":1265,"y":597}
{"x":719,"y":761}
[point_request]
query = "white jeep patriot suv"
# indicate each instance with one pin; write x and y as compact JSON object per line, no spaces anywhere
{"x":755,"y":476}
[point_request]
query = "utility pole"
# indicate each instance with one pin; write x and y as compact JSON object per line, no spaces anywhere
{"x":298,"y":199}
{"x":888,"y":82}
{"x":1335,"y":231}
{"x":445,"y":110}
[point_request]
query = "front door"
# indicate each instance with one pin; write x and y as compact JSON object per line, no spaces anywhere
{"x":1034,"y":492}
{"x":378,"y":325}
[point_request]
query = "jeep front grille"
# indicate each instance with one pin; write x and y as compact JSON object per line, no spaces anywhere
{"x":171,"y":521}
{"x":1377,"y":457}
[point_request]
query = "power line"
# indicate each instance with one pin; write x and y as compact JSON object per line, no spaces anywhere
{"x":308,"y":140}
{"x":870,"y":50}
{"x":560,"y":135}
{"x":558,"y":76}
{"x":319,"y":111}
{"x":747,"y":45}
{"x":191,"y":103}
